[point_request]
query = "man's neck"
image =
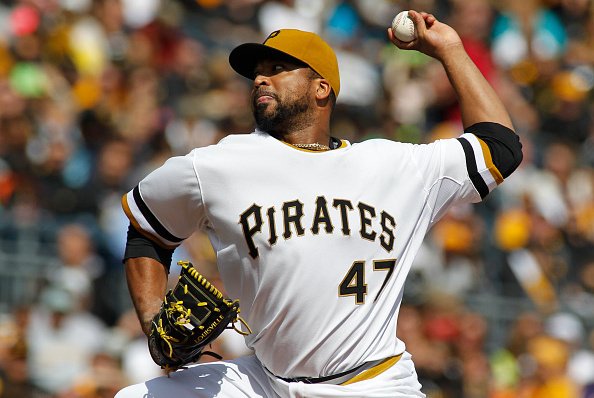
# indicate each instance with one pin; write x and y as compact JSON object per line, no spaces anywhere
{"x":305,"y":136}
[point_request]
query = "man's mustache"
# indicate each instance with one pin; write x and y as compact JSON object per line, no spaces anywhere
{"x":262,"y":92}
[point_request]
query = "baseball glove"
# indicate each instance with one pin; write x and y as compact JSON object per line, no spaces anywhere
{"x":193,"y":314}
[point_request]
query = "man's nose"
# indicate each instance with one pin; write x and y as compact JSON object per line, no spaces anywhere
{"x":261,"y":80}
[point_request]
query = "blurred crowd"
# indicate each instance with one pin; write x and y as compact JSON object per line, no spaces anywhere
{"x":94,"y":94}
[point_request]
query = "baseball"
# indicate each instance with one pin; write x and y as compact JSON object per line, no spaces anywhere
{"x":403,"y":27}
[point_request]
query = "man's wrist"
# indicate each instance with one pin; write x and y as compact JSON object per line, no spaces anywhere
{"x":452,"y":53}
{"x":146,"y":325}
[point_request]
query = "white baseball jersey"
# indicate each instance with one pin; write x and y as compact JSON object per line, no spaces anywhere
{"x":316,"y":245}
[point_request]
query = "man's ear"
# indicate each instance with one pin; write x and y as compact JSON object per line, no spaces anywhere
{"x":323,"y":90}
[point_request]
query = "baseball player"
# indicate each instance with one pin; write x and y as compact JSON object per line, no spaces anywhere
{"x":314,"y":235}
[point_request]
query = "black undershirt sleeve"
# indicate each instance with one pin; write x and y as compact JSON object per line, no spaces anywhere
{"x":503,"y":142}
{"x":137,"y":245}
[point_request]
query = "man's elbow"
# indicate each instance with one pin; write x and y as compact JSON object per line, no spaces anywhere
{"x":516,"y":153}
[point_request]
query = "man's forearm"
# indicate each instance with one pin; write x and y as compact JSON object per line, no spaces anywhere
{"x":478,"y":101}
{"x":147,"y":283}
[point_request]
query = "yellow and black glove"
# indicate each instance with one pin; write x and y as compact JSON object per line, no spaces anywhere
{"x":193,"y":314}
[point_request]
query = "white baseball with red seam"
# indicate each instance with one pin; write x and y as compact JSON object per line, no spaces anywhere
{"x":403,"y":27}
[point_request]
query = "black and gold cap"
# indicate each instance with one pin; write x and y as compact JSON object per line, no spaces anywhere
{"x":306,"y":47}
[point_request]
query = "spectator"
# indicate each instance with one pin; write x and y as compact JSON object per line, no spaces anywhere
{"x":62,"y":340}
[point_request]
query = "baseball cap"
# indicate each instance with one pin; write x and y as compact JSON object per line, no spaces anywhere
{"x":306,"y":47}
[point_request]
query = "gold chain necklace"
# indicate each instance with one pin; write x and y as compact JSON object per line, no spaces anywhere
{"x":313,"y":147}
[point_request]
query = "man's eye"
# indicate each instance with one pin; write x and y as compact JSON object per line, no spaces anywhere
{"x":275,"y":68}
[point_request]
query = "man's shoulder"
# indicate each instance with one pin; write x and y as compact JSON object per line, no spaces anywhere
{"x":241,"y":138}
{"x":232,"y":147}
{"x":230,"y":141}
{"x":375,"y":144}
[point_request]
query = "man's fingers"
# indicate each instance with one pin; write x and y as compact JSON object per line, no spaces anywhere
{"x":391,"y":35}
{"x":400,"y":44}
{"x":429,"y":18}
{"x":419,"y":22}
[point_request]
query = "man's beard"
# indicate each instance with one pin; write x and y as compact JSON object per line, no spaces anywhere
{"x":284,"y":118}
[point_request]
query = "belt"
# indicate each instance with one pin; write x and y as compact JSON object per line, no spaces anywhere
{"x":369,"y":371}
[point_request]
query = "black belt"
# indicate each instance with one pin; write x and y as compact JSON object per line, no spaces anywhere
{"x":315,"y":380}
